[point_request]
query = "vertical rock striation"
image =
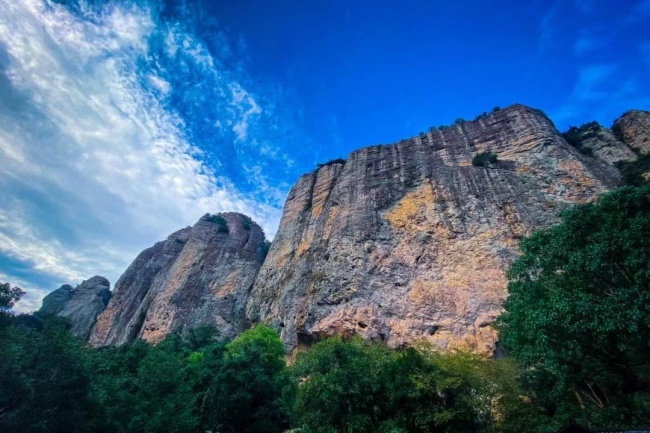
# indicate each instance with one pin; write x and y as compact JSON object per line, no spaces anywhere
{"x":198,"y":276}
{"x":79,"y":306}
{"x":410,"y":240}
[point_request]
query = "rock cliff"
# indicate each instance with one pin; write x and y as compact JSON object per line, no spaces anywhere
{"x":79,"y":306}
{"x":633,"y":128}
{"x":397,"y":243}
{"x":200,"y":275}
{"x":410,"y":240}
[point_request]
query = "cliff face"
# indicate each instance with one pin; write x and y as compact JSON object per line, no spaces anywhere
{"x":200,"y":275}
{"x":80,"y":306}
{"x":634,"y":129}
{"x":410,"y":240}
{"x":55,"y":301}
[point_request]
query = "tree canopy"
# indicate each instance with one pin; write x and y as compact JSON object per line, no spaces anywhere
{"x":578,"y":312}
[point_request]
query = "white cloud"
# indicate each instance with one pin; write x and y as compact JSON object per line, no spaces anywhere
{"x":93,"y":166}
{"x":602,"y":90}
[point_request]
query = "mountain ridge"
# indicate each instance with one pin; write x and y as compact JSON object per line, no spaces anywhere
{"x":398,"y":242}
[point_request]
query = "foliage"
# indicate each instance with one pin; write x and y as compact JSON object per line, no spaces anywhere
{"x":9,"y":296}
{"x":633,"y":171}
{"x":330,"y":162}
{"x":266,"y":246}
{"x":43,"y":383}
{"x":219,"y":220}
{"x":351,"y":385}
{"x":576,"y":136}
{"x":577,"y":317}
{"x":576,"y":323}
{"x":247,"y":222}
{"x":245,"y":395}
{"x":139,"y":386}
{"x":484,"y":159}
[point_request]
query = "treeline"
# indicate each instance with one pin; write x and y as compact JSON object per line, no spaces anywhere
{"x":51,"y":383}
{"x":576,"y":325}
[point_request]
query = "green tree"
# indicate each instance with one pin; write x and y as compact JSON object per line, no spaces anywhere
{"x":484,"y":159}
{"x":246,"y":393}
{"x":9,"y":296}
{"x":355,"y":386}
{"x":577,"y":315}
{"x":137,"y":387}
{"x":43,"y":383}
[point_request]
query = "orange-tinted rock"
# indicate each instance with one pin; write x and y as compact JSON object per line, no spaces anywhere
{"x":634,"y":129}
{"x":410,"y":241}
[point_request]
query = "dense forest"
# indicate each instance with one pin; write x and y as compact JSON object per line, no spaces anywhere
{"x":576,"y":330}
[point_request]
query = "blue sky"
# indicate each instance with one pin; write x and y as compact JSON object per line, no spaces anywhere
{"x":122,"y":121}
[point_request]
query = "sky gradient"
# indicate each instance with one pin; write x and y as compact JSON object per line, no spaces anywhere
{"x":123,"y":121}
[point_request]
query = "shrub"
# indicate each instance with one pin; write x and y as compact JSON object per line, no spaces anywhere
{"x":484,"y":159}
{"x":247,"y":222}
{"x":219,"y":220}
{"x":266,"y":246}
{"x":633,"y":171}
{"x":576,"y":136}
{"x":330,"y":162}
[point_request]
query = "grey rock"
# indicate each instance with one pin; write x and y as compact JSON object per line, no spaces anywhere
{"x":199,"y":276}
{"x":55,"y":301}
{"x":79,"y":306}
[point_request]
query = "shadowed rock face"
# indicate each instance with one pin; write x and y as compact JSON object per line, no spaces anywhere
{"x":410,"y":241}
{"x":79,"y":306}
{"x":55,"y":301}
{"x":199,"y":276}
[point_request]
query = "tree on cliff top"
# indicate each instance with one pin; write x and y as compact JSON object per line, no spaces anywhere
{"x":578,"y":311}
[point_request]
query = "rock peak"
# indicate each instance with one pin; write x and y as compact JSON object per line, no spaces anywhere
{"x":80,"y":306}
{"x":199,"y":276}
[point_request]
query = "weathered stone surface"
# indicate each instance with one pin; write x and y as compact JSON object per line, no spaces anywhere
{"x":200,"y":275}
{"x":55,"y":301}
{"x":634,"y":129}
{"x":605,"y":146}
{"x":410,"y":241}
{"x":79,"y":306}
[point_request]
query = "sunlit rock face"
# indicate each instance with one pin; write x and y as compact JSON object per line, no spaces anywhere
{"x":199,"y":276}
{"x":80,"y":306}
{"x":398,"y":243}
{"x":410,"y":241}
{"x":634,"y":129}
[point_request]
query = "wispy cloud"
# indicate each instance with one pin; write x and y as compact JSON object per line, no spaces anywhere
{"x":547,"y":28}
{"x":100,"y":155}
{"x":603,"y":90}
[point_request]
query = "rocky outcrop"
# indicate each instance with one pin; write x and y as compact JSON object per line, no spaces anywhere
{"x":55,"y":301}
{"x":626,"y":145}
{"x":411,"y":241}
{"x":199,"y":276}
{"x":633,"y":128}
{"x":600,"y":142}
{"x":79,"y":306}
